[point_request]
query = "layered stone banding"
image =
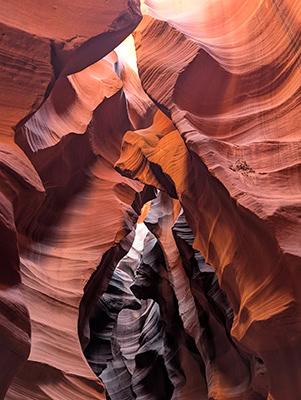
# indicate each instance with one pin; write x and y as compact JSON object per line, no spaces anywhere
{"x":150,"y":200}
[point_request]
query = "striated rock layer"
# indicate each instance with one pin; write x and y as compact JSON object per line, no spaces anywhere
{"x":230,"y":168}
{"x":129,"y":354}
{"x":192,"y":125}
{"x":49,"y":197}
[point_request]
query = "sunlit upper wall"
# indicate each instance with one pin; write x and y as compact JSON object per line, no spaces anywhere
{"x":138,"y":103}
{"x":208,"y":21}
{"x":127,"y":54}
{"x":236,"y":32}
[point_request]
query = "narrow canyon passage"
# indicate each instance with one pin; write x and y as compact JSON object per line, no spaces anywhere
{"x":150,"y":200}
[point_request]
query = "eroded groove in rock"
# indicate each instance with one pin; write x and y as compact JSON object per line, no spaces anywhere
{"x":183,"y":363}
{"x":40,"y":230}
{"x":126,"y":346}
{"x":104,"y":319}
{"x":81,"y":87}
{"x":239,"y":147}
{"x":124,"y":365}
{"x":216,"y":312}
{"x":21,"y":193}
{"x":216,"y":210}
{"x":217,"y":275}
{"x":58,"y":261}
{"x":71,"y":104}
{"x":213,"y":342}
{"x":26,"y":71}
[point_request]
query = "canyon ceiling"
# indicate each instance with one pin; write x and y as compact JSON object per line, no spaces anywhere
{"x":150,"y":200}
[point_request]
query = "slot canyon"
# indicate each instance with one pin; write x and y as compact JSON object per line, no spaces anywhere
{"x":150,"y":200}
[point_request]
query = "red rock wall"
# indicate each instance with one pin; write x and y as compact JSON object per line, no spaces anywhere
{"x":203,"y":104}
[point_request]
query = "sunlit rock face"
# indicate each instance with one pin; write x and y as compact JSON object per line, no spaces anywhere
{"x":150,"y":200}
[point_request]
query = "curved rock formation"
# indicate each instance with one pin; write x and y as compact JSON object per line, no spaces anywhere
{"x":20,"y":184}
{"x":227,"y":184}
{"x":184,"y":364}
{"x":126,"y":344}
{"x":198,"y":111}
{"x":127,"y":363}
{"x":205,"y":326}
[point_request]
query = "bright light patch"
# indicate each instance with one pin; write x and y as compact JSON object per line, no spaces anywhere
{"x":127,"y":53}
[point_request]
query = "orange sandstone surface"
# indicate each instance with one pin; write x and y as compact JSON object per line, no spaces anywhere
{"x":150,"y":200}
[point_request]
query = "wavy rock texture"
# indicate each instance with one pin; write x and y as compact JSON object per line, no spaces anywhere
{"x":20,"y":185}
{"x":235,"y":178}
{"x":53,"y":40}
{"x":55,"y":266}
{"x":126,"y":343}
{"x":183,"y":362}
{"x":198,"y":111}
{"x":58,"y":260}
{"x":170,"y":353}
{"x":205,"y":327}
